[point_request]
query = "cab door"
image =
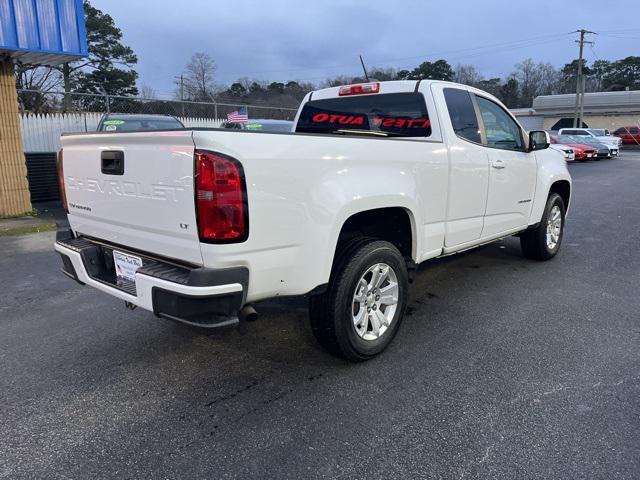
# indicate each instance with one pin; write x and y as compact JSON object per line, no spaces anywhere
{"x":512,"y":170}
{"x":468,"y":167}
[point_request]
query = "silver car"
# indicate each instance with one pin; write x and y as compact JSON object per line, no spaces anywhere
{"x":566,"y":151}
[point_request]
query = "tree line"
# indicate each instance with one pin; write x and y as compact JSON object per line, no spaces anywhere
{"x":110,"y":70}
{"x":528,"y":80}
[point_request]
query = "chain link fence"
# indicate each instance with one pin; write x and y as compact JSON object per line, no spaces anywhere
{"x":46,"y":115}
{"x":35,"y":101}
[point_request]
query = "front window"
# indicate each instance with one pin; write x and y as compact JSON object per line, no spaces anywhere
{"x":501,"y":130}
{"x":390,"y":114}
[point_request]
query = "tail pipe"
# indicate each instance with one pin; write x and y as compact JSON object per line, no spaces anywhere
{"x":248,"y":314}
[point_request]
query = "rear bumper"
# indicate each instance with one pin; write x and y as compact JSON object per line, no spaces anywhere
{"x":198,"y":296}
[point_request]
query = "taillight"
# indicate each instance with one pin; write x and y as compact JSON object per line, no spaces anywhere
{"x":63,"y":192}
{"x":359,"y":89}
{"x":221,"y":198}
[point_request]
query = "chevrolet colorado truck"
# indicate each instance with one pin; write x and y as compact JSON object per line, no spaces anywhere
{"x":197,"y":225}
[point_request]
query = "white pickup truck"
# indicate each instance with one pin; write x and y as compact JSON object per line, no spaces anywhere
{"x":196,"y":225}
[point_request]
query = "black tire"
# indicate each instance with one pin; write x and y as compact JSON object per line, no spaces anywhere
{"x":331,"y":313}
{"x":534,"y":242}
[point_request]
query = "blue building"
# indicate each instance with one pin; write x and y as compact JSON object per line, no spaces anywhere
{"x":44,"y":32}
{"x":37,"y":32}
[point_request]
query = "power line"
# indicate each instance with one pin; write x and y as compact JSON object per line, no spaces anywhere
{"x":493,"y":47}
{"x":506,"y":47}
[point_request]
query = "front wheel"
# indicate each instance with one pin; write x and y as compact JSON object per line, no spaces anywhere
{"x":359,"y":314}
{"x":543,"y":242}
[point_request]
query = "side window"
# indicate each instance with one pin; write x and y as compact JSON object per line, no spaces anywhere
{"x":462,"y":114}
{"x":633,"y":130}
{"x":501,"y":130}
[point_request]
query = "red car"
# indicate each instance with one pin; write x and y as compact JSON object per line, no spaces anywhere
{"x":582,"y":152}
{"x":629,"y":135}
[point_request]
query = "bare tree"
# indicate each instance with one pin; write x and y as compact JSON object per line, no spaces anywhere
{"x":199,"y":77}
{"x":467,"y":75}
{"x":39,"y":81}
{"x":536,"y":79}
{"x":147,"y":92}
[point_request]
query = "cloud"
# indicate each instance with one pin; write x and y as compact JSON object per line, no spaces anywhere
{"x":281,"y":40}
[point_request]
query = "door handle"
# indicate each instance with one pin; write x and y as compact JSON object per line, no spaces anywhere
{"x":112,"y":162}
{"x":498,"y":164}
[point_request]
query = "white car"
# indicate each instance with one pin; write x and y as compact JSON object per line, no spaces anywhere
{"x":566,"y":151}
{"x":614,"y":142}
{"x":196,"y":225}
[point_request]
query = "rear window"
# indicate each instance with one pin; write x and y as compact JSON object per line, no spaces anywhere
{"x":127,"y":125}
{"x":390,"y":114}
{"x":462,"y":114}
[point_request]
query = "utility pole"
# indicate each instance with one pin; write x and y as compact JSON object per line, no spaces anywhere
{"x":106,"y":98}
{"x":580,"y":83}
{"x":581,"y":115}
{"x":182,"y":93}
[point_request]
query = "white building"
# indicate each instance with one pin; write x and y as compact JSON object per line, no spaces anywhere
{"x":610,"y":110}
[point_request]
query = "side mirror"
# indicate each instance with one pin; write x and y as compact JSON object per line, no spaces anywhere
{"x":539,"y":140}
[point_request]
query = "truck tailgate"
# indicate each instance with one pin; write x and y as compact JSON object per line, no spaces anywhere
{"x":134,"y":190}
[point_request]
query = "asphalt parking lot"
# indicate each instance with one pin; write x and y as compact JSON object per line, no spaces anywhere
{"x":504,"y":368}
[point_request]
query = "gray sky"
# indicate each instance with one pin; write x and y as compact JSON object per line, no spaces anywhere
{"x":301,"y":40}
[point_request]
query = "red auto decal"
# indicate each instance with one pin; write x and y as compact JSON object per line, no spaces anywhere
{"x":339,"y":119}
{"x":359,"y":120}
{"x":391,"y":122}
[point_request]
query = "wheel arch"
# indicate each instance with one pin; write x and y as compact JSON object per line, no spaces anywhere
{"x":395,"y":224}
{"x":562,"y":188}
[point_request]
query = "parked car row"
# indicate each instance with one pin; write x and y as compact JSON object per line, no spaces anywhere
{"x":584,"y":144}
{"x":584,"y":148}
{"x":128,"y":122}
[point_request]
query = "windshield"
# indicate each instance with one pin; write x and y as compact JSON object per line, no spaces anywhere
{"x":127,"y":125}
{"x":270,"y":127}
{"x":566,"y":139}
{"x":391,"y":114}
{"x":581,"y":133}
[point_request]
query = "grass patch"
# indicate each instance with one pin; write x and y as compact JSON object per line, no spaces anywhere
{"x":26,"y":229}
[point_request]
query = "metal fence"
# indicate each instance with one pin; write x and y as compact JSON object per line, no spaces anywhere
{"x":41,"y":131}
{"x":45,"y":116}
{"x":35,"y":101}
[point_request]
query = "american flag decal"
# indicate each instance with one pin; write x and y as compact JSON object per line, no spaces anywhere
{"x":238,"y":116}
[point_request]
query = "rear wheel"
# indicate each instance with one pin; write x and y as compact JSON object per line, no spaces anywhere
{"x":543,"y":242}
{"x":361,"y":311}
